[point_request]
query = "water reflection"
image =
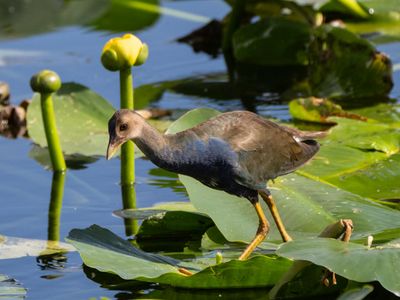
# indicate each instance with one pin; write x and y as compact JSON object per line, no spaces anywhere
{"x":129,"y":202}
{"x":165,"y":179}
{"x":56,"y":199}
{"x":54,"y":260}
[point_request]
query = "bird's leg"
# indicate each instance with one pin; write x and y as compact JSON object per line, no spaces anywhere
{"x":262,"y":231}
{"x":266,"y":195}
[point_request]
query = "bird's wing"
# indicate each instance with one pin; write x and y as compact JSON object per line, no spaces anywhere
{"x":265,"y":149}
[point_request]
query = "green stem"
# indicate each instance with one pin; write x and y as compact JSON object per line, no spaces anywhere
{"x":56,"y":198}
{"x":53,"y":141}
{"x":127,"y":150}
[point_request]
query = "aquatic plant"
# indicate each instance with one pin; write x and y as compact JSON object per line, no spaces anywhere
{"x":121,"y":54}
{"x":45,"y":83}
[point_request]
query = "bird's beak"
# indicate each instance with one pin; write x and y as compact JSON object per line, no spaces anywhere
{"x":113,"y":146}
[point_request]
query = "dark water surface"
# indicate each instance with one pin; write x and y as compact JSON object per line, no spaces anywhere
{"x":92,"y":194}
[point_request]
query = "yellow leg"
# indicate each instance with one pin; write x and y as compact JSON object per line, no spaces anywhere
{"x":262,"y":232}
{"x":275,"y":214}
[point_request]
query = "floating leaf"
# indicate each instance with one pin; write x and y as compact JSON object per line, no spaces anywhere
{"x":81,"y":116}
{"x":260,"y":271}
{"x":318,"y":110}
{"x":306,"y":283}
{"x":28,"y":18}
{"x":106,"y":252}
{"x":252,"y":43}
{"x":120,"y":13}
{"x":11,"y":289}
{"x":145,"y":212}
{"x":353,"y":261}
{"x":344,"y":65}
{"x":383,"y":112}
{"x":173,"y":224}
{"x":360,"y":157}
{"x":349,"y":7}
{"x":14,"y":247}
{"x":192,"y":118}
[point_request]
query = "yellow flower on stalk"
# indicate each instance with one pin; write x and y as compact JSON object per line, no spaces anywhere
{"x":124,"y":52}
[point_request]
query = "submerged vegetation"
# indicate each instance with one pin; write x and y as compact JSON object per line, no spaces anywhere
{"x":342,"y":208}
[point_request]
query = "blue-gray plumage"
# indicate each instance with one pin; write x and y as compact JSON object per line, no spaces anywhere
{"x":237,"y":152}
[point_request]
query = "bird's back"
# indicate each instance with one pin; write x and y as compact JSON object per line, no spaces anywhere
{"x":257,"y":149}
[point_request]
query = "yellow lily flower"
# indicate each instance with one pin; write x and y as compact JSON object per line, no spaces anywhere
{"x":123,"y":52}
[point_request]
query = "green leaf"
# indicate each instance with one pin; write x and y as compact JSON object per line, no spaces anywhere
{"x":111,"y":15}
{"x":383,"y":112}
{"x":11,"y":289}
{"x":261,"y":42}
{"x":174,"y":225}
{"x":381,"y":27}
{"x":318,"y":110}
{"x":120,"y":13}
{"x":353,"y":261}
{"x":378,"y":181}
{"x":306,"y":282}
{"x":349,"y":7}
{"x":145,"y":212}
{"x":81,"y":116}
{"x":361,"y":157}
{"x":106,"y":252}
{"x":344,"y":65}
{"x":172,"y":231}
{"x":15,"y":247}
{"x":192,"y":118}
{"x":260,"y":271}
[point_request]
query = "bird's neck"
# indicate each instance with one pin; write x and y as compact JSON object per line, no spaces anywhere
{"x":153,"y":144}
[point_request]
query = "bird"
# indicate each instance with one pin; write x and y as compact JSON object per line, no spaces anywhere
{"x":237,"y":152}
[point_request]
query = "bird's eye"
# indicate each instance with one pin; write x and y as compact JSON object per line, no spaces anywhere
{"x":123,"y":127}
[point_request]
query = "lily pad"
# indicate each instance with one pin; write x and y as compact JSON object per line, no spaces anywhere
{"x":353,"y":261}
{"x":318,"y":110}
{"x":252,"y":43}
{"x":15,"y":247}
{"x":343,"y":65}
{"x":11,"y":289}
{"x":360,"y":157}
{"x":106,"y":252}
{"x":81,"y":117}
{"x":115,"y":15}
{"x":170,"y":225}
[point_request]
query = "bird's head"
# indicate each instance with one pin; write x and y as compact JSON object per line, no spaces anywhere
{"x":124,"y":125}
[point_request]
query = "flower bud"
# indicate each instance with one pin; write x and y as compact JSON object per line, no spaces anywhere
{"x":123,"y":52}
{"x":45,"y":81}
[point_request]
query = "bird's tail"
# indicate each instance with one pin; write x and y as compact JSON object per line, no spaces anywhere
{"x":310,"y":135}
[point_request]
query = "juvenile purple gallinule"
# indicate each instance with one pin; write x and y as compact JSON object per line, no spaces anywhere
{"x":237,"y":152}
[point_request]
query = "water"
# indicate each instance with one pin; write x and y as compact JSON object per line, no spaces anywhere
{"x":92,"y":194}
